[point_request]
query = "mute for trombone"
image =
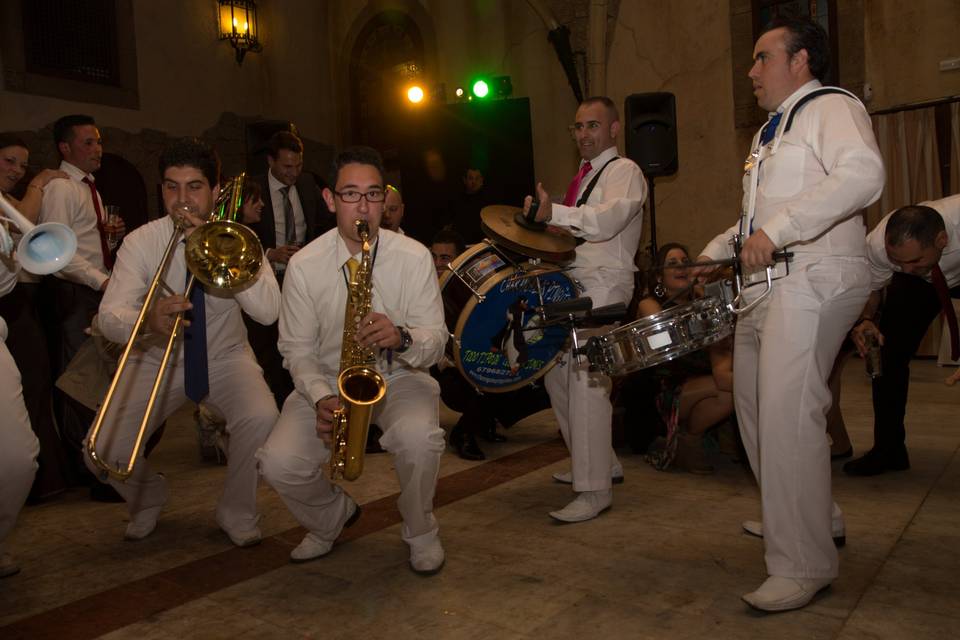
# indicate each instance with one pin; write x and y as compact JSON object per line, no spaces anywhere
{"x":44,"y":248}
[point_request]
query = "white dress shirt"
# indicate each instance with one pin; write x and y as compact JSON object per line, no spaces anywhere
{"x":881,"y":269}
{"x":280,"y":222}
{"x":137,"y":262}
{"x":611,"y":220}
{"x":69,"y":202}
{"x":405,"y":289}
{"x":812,"y":180}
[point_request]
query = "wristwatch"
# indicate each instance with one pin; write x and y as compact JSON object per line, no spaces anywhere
{"x":405,"y":340}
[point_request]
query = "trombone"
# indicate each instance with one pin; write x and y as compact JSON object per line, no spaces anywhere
{"x":44,"y":248}
{"x":221,"y":254}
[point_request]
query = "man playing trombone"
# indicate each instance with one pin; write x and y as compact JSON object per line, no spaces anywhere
{"x":214,"y":362}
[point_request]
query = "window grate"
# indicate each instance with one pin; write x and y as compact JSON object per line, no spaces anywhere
{"x":72,"y":39}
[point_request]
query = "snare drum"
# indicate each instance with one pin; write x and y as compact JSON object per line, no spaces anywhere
{"x":489,"y":305}
{"x":661,"y":337}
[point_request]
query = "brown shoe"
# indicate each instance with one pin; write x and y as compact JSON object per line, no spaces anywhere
{"x":690,"y":454}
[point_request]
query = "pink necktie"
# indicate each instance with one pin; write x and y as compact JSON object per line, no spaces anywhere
{"x":104,"y":247}
{"x":574,"y":188}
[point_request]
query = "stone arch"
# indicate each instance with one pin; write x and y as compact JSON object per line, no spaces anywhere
{"x":379,"y":36}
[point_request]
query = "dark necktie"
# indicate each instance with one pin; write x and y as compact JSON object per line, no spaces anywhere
{"x":104,"y":247}
{"x":289,"y":224}
{"x":196,"y":381}
{"x":571,"y":198}
{"x":770,"y":129}
{"x":940,"y":285}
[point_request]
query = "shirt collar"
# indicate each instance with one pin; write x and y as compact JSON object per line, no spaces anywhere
{"x":796,"y":95}
{"x":602,"y":158}
{"x":343,"y":253}
{"x":74,"y":171}
{"x":275,"y":185}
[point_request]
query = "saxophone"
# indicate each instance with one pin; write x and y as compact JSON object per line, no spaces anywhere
{"x":360,"y":385}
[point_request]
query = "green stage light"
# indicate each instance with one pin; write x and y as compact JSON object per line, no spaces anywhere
{"x":481,"y":88}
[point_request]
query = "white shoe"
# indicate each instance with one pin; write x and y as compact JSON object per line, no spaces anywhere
{"x":586,"y":506}
{"x":142,"y":523}
{"x":245,"y":538}
{"x":313,"y":546}
{"x":755,"y":528}
{"x":426,"y":553}
{"x":8,"y":566}
{"x":783,"y":594}
{"x":566,"y":477}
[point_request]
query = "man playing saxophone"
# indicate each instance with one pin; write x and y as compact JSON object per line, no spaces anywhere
{"x":213,"y":361}
{"x":404,"y":329}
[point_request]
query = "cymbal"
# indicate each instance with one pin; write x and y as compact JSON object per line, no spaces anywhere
{"x":499,"y":224}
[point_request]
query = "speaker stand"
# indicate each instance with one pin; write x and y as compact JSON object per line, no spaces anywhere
{"x":653,"y":217}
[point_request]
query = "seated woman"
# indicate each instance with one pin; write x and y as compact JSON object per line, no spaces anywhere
{"x":695,"y":392}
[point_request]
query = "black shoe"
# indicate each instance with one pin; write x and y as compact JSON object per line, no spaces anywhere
{"x":470,"y":449}
{"x":843,"y":454}
{"x":490,"y":434}
{"x":875,"y":462}
{"x":465,"y":444}
{"x":102,"y":492}
{"x":373,"y":440}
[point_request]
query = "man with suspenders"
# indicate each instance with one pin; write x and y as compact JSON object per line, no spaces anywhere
{"x":813,"y":167}
{"x":603,"y":207}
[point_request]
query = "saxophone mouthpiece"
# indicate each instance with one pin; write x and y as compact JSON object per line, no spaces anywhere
{"x":363,"y":229}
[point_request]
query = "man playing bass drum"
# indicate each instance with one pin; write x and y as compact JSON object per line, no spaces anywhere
{"x":405,"y":328}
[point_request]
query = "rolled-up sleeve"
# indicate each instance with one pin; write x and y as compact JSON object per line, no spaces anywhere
{"x":625,"y":191}
{"x":58,"y":205}
{"x":261,"y":300}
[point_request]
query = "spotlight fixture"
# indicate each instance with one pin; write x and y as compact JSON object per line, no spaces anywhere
{"x":481,"y":89}
{"x":415,"y":94}
{"x":237,"y":22}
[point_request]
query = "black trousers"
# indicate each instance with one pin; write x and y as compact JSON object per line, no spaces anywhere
{"x":263,"y":341}
{"x":68,"y":309}
{"x":481,"y":409}
{"x":27,"y":343}
{"x":911,"y":305}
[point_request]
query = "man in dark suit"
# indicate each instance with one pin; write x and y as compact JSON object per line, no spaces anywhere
{"x":293,"y":215}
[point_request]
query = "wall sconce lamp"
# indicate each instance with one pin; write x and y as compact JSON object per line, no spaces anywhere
{"x":238,"y":24}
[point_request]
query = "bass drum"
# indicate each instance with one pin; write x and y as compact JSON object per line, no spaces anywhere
{"x":490,"y":306}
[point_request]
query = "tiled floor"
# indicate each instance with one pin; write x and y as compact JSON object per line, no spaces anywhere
{"x":668,"y":561}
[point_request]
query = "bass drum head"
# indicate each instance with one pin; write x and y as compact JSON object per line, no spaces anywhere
{"x":499,"y":344}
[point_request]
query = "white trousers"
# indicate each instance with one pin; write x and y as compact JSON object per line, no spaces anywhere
{"x":237,"y":391}
{"x":294,"y":459}
{"x":581,"y":399}
{"x":18,"y":446}
{"x":783,"y":353}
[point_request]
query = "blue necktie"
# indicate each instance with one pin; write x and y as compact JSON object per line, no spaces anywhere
{"x":770,"y":129}
{"x":196,"y":382}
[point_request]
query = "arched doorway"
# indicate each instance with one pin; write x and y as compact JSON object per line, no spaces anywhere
{"x":387,"y":53}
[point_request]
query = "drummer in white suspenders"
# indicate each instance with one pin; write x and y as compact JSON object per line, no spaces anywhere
{"x":603,"y":207}
{"x":814,"y":165}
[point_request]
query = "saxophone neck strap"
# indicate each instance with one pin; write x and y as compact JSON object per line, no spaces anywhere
{"x":373,"y":261}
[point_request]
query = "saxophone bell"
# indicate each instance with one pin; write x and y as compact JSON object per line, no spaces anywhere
{"x":359,"y":385}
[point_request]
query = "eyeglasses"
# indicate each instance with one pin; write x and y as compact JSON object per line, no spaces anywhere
{"x":593,"y":125}
{"x":350,"y":197}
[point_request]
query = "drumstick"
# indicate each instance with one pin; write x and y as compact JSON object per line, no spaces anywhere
{"x":778,"y":256}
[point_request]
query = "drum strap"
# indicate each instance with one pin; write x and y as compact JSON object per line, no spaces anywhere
{"x":593,"y":183}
